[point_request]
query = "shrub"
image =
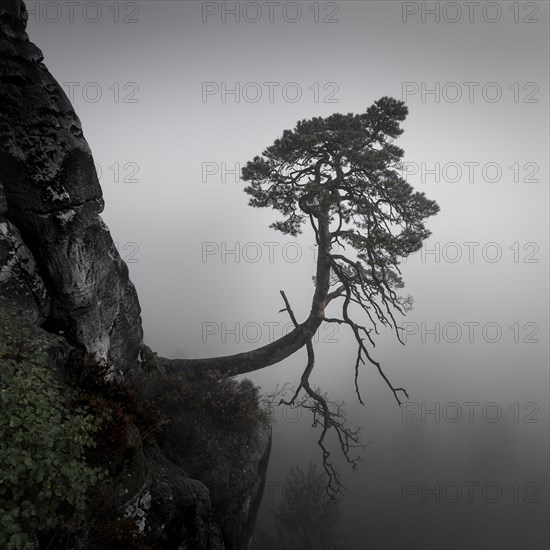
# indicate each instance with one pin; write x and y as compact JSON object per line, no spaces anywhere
{"x":208,"y":417}
{"x":119,"y":405}
{"x":43,"y":475}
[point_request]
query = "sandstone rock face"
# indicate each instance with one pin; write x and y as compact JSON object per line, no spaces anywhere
{"x":52,"y":202}
{"x":236,"y":490}
{"x":169,"y":509}
{"x":59,"y":265}
{"x":159,"y":503}
{"x":236,"y":482}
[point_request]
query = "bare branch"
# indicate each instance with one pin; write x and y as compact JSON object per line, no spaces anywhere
{"x":323,"y":416}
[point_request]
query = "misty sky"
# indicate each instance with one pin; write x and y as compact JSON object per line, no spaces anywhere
{"x":175,"y":97}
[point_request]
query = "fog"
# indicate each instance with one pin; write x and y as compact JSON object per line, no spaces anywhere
{"x":175,"y":97}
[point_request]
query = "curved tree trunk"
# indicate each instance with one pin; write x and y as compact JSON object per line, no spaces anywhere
{"x":249,"y":361}
{"x":274,"y":352}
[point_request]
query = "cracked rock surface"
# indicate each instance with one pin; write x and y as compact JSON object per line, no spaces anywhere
{"x":56,"y":254}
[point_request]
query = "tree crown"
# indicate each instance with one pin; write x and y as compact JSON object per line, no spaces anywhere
{"x":344,"y":167}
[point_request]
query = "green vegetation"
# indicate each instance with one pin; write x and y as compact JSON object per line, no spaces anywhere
{"x":43,"y":475}
{"x":67,"y":436}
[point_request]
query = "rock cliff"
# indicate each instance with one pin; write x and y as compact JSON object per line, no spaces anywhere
{"x":60,"y":267}
{"x":54,"y":199}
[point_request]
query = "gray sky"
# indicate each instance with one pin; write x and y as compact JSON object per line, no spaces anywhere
{"x":177,"y":95}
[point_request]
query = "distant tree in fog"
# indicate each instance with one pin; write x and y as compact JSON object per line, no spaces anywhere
{"x":307,"y":518}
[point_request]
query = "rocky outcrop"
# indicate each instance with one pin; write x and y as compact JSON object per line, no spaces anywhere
{"x":152,"y":503}
{"x":53,"y":200}
{"x":236,"y":481}
{"x":165,"y":507}
{"x":60,"y":267}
